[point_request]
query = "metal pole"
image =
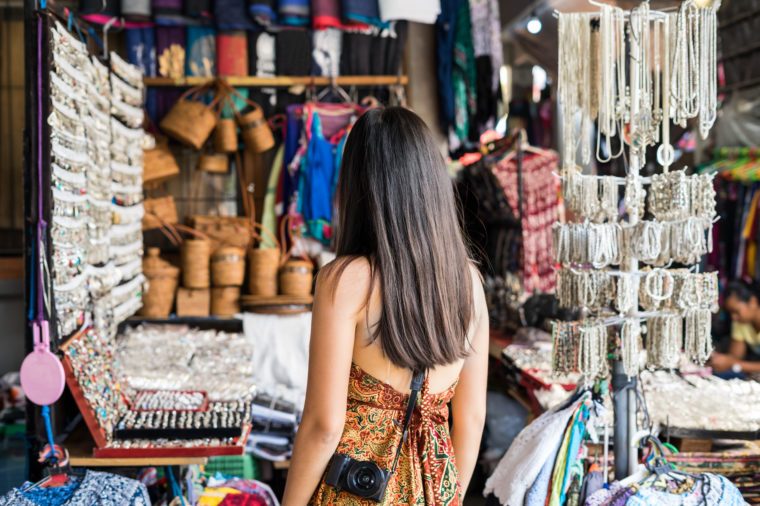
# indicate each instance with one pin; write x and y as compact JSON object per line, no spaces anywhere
{"x":621,"y":436}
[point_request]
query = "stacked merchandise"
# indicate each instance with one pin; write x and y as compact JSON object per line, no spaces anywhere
{"x":93,"y":488}
{"x":89,"y":257}
{"x":275,"y":422}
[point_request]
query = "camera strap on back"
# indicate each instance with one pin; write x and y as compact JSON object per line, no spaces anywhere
{"x":417,"y":379}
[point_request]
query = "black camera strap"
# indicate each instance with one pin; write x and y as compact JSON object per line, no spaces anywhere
{"x":417,"y":379}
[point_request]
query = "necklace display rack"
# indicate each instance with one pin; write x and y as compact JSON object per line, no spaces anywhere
{"x":633,"y":73}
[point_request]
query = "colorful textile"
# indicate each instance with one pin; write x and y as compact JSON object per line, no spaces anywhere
{"x":444,"y":31}
{"x":294,"y":12}
{"x":293,"y":52}
{"x":426,"y":473}
{"x":232,"y":54}
{"x":269,"y":215}
{"x":362,"y":11}
{"x":540,"y":210}
{"x":326,"y":14}
{"x":464,"y":72}
{"x":200,"y":57}
{"x":232,"y":15}
{"x":263,"y":11}
{"x":141,"y":49}
{"x":96,"y":488}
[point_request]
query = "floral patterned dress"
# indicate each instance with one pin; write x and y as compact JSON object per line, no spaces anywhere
{"x":426,"y":473}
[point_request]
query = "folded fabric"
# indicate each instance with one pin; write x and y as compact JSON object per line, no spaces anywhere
{"x":294,"y":12}
{"x":232,"y":15}
{"x":243,"y":500}
{"x":200,"y":56}
{"x":232,"y":53}
{"x":197,"y":8}
{"x":167,"y":7}
{"x":421,"y":11}
{"x":356,"y":55}
{"x":326,"y":14}
{"x":141,"y":49}
{"x":264,"y":12}
{"x":136,"y":10}
{"x":362,"y":11}
{"x":293,"y":52}
{"x":519,"y":468}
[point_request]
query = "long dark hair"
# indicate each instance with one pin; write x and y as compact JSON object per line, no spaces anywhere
{"x":743,"y":289}
{"x":396,"y":207}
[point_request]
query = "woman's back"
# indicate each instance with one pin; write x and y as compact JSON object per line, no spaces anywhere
{"x":402,"y":296}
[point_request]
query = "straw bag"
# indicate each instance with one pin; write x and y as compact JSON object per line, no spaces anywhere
{"x":225,"y":301}
{"x":228,"y":266}
{"x":214,"y":163}
{"x":196,"y":254}
{"x":263,"y":266}
{"x":225,"y":134}
{"x":158,"y":211}
{"x":296,"y":275}
{"x":159,"y":164}
{"x":163,"y":279}
{"x":190,"y":121}
{"x":257,"y":135}
{"x":224,"y":230}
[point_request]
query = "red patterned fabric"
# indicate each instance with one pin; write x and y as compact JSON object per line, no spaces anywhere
{"x":541,"y":208}
{"x":426,"y":474}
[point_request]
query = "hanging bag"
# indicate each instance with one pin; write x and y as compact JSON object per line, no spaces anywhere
{"x":190,"y":121}
{"x":296,"y":274}
{"x":225,"y":134}
{"x":254,"y":128}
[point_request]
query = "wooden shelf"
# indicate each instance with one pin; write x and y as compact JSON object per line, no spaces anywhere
{"x":279,"y":81}
{"x":80,"y":446}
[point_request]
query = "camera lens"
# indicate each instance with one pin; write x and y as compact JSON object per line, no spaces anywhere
{"x":364,"y":478}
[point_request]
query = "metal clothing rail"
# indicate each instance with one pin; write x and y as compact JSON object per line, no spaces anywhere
{"x":281,"y":81}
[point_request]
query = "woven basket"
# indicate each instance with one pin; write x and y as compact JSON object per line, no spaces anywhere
{"x":225,"y":136}
{"x":159,"y":165}
{"x":225,"y":301}
{"x":296,"y":277}
{"x":257,"y":135}
{"x":190,"y":121}
{"x":263,"y":264}
{"x":163,"y":279}
{"x":159,"y":210}
{"x":224,"y":230}
{"x":193,"y":302}
{"x":228,"y":266}
{"x":214,"y":163}
{"x":195,"y":263}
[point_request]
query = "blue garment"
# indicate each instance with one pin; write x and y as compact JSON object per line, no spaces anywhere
{"x":316,"y":183}
{"x":445,"y":31}
{"x":293,"y":130}
{"x":141,"y":49}
{"x":294,"y":12}
{"x":536,"y":495}
{"x":232,"y":15}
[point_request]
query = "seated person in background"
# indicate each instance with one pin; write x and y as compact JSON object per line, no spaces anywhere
{"x":742,"y":301}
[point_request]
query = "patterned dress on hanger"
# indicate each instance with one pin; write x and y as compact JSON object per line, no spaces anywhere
{"x":427,"y":473}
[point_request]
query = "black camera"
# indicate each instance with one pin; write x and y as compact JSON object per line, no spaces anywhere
{"x":364,"y":479}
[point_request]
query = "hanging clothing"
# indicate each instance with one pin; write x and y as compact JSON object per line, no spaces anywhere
{"x":269,"y":215}
{"x":540,"y":210}
{"x":524,"y":460}
{"x":293,"y":52}
{"x":141,"y":49}
{"x":103,"y":489}
{"x":445,"y":31}
{"x":328,"y":44}
{"x":464,"y":72}
{"x":426,"y":473}
{"x":420,"y":11}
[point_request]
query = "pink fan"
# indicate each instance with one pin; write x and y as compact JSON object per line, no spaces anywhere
{"x":42,"y":375}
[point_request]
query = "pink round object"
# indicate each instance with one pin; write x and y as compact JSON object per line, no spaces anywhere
{"x":42,"y":377}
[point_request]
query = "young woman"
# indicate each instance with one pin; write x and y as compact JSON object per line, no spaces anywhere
{"x":742,"y":301}
{"x":402,"y":296}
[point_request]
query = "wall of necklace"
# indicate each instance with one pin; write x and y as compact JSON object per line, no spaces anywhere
{"x":96,"y":166}
{"x":646,"y":70}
